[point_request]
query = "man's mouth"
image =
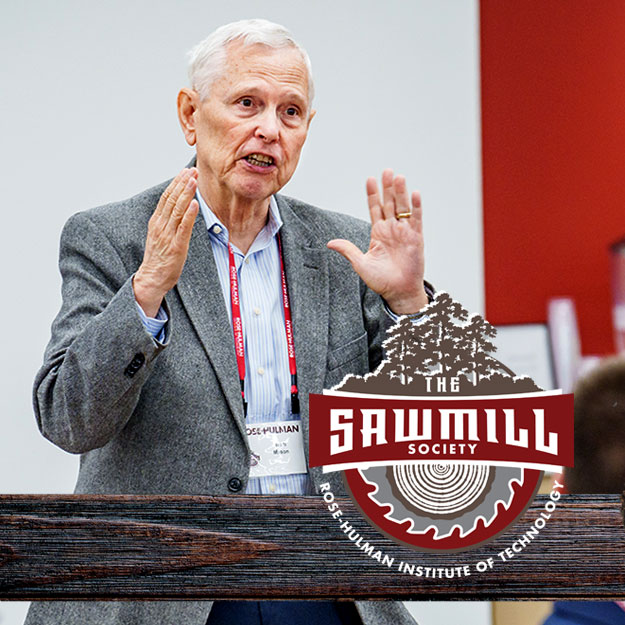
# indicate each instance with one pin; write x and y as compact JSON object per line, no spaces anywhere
{"x":260,"y":160}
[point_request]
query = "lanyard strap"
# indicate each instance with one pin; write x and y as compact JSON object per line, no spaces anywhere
{"x":237,"y":324}
{"x":288,"y":327}
{"x":237,"y":329}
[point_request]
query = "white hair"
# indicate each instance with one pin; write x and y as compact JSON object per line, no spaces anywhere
{"x":207,"y":58}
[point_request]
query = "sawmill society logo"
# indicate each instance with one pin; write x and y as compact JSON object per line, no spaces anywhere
{"x":442,"y":447}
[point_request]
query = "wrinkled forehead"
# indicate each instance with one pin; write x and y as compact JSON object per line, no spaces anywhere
{"x":282,"y":67}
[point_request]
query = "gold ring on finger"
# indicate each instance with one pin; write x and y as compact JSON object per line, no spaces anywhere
{"x":404,"y":215}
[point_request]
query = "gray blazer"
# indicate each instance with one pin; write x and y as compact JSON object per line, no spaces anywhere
{"x":111,"y":393}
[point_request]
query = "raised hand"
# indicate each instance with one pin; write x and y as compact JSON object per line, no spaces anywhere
{"x":393,"y":266}
{"x":167,"y":242}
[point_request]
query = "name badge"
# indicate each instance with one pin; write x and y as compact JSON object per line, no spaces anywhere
{"x":277,"y":448}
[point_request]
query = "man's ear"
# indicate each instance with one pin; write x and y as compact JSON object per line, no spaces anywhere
{"x":310,"y":118}
{"x":188,"y":103}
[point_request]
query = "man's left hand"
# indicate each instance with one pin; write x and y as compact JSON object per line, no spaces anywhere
{"x":393,"y":266}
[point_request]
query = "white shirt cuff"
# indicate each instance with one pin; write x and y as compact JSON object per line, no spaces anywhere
{"x":154,"y":325}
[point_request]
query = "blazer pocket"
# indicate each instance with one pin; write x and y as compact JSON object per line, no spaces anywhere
{"x":345,"y":353}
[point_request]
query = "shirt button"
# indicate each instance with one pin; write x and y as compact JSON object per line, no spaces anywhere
{"x":216,"y":229}
{"x":257,"y":311}
{"x":272,"y":488}
{"x":247,"y":260}
{"x":260,"y":371}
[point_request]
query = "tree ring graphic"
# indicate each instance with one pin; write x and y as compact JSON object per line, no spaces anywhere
{"x":442,"y":488}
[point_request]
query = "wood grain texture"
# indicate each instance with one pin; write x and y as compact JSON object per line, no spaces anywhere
{"x":146,"y":547}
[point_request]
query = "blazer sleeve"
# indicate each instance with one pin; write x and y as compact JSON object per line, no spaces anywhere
{"x":99,"y":354}
{"x":377,"y":323}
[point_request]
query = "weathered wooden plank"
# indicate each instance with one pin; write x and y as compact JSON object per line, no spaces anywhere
{"x":120,"y":547}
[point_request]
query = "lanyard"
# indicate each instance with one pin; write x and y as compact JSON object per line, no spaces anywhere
{"x":237,"y":328}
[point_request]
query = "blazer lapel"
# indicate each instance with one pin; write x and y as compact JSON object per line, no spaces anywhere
{"x":201,"y":295}
{"x":306,"y":268}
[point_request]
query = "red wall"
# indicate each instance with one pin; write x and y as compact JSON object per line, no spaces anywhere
{"x":553,"y":130}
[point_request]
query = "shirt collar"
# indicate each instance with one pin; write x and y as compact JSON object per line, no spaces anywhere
{"x":217,"y":229}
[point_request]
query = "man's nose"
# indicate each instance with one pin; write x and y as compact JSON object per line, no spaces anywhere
{"x":268,"y":129}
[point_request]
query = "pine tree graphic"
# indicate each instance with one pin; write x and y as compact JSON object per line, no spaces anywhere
{"x":478,"y":347}
{"x":446,"y":341}
{"x":409,"y":355}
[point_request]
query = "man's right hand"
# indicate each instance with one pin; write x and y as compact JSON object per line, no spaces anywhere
{"x":167,"y":243}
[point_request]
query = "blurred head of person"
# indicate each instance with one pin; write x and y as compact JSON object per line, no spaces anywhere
{"x":599,"y":431}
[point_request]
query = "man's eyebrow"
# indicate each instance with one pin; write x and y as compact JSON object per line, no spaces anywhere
{"x":294,"y":95}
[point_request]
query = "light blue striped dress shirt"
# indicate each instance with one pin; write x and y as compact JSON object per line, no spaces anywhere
{"x":267,"y":376}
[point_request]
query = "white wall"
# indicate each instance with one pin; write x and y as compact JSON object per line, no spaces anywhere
{"x":88,"y":116}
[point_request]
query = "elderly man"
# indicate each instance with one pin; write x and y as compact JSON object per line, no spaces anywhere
{"x":210,"y":303}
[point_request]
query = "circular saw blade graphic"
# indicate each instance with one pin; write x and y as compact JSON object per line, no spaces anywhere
{"x":442,"y":496}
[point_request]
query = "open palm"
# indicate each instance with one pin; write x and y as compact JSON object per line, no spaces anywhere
{"x":393,"y":266}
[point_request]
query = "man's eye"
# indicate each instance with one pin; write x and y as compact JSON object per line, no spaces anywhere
{"x":292,"y":111}
{"x":246,"y":102}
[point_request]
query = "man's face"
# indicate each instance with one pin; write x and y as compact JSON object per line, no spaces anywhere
{"x":250,"y":130}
